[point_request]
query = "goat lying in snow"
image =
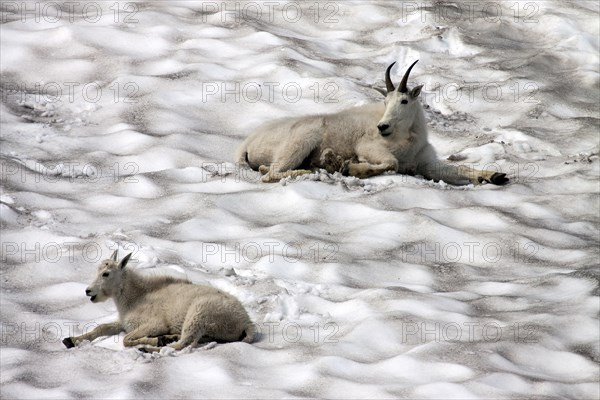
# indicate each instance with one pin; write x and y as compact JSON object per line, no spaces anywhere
{"x":159,"y":310}
{"x":372,"y":139}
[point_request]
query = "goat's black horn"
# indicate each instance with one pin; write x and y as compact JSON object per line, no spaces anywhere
{"x":402,"y":88}
{"x":388,"y":80}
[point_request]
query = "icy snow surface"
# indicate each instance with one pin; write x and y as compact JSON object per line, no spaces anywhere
{"x":119,"y":123}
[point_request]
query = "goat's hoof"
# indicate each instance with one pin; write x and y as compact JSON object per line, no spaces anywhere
{"x":499,"y":178}
{"x":148,"y":349}
{"x":267,"y":178}
{"x":165,"y":340}
{"x":345,"y":170}
{"x":68,"y":342}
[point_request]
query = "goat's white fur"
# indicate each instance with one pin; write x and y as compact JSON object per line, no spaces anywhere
{"x":295,"y":146}
{"x":155,"y":310}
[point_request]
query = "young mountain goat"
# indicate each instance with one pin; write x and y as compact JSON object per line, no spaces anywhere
{"x":159,"y":310}
{"x":372,"y":139}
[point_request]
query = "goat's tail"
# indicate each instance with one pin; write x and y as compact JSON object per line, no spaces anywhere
{"x":250,"y":333}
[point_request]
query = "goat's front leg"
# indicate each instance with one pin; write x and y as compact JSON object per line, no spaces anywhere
{"x":478,"y":176}
{"x":273,"y":174}
{"x":153,"y":344}
{"x":158,"y":341}
{"x":150,"y":334}
{"x":460,"y":174}
{"x":364,"y":170}
{"x":102,"y":330}
{"x":372,"y":160}
{"x":432,"y":168}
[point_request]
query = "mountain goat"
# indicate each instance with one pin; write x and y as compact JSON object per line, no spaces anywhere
{"x":372,"y":139}
{"x":157,"y":310}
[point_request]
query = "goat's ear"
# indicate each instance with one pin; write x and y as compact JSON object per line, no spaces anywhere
{"x":381,"y":90}
{"x":115,"y":254}
{"x":124,"y":261}
{"x":416,"y":91}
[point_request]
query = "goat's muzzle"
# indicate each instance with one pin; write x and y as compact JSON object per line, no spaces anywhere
{"x":383,"y":129}
{"x":88,"y":292}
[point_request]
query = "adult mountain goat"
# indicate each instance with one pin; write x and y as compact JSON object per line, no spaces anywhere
{"x":371,"y":139}
{"x":157,"y":310}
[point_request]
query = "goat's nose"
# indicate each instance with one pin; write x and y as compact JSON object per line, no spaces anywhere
{"x":382,"y":127}
{"x":87,"y":292}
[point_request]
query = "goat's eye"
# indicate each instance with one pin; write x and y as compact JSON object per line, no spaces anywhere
{"x":105,"y":274}
{"x":404,"y":102}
